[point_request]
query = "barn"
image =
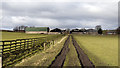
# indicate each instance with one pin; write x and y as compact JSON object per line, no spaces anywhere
{"x":37,"y":30}
{"x":55,"y":31}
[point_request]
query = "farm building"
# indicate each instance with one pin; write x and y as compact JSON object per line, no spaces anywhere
{"x":92,"y":31}
{"x":111,"y":32}
{"x":83,"y":31}
{"x":77,"y":31}
{"x":37,"y":30}
{"x":56,"y":31}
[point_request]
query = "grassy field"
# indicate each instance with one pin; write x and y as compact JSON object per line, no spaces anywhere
{"x":101,"y":49}
{"x":18,"y":35}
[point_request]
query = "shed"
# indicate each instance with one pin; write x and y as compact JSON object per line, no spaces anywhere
{"x":37,"y":30}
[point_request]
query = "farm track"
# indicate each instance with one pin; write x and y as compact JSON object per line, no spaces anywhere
{"x":60,"y":58}
{"x":83,"y":58}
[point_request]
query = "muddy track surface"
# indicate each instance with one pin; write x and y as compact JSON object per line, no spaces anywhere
{"x":60,"y":58}
{"x":83,"y":58}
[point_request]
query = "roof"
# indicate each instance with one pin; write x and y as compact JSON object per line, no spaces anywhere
{"x":37,"y":29}
{"x":56,"y":30}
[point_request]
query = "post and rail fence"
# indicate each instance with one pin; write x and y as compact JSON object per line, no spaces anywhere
{"x":13,"y":51}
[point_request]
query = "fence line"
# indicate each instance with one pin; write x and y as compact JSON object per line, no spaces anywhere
{"x":13,"y":51}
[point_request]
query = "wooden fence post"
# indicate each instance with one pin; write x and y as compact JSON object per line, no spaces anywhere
{"x":44,"y":45}
{"x":20,"y":44}
{"x":27,"y":43}
{"x":10,"y":46}
{"x":49,"y":43}
{"x":24,"y":46}
{"x":32,"y":44}
{"x":53,"y":42}
{"x":15,"y":45}
{"x":3,"y":53}
{"x":27,"y":46}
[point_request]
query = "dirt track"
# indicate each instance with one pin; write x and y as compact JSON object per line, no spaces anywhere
{"x":83,"y":58}
{"x":60,"y":58}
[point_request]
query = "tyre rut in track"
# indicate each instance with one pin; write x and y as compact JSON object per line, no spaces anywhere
{"x":83,"y":58}
{"x":60,"y":58}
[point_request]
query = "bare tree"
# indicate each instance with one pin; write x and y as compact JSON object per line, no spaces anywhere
{"x":19,"y":28}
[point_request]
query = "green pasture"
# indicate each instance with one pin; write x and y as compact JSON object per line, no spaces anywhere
{"x":18,"y":35}
{"x":101,"y":49}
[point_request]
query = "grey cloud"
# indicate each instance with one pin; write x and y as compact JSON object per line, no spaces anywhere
{"x":63,"y":15}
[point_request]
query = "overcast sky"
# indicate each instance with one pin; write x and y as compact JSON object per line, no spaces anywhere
{"x":70,"y":14}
